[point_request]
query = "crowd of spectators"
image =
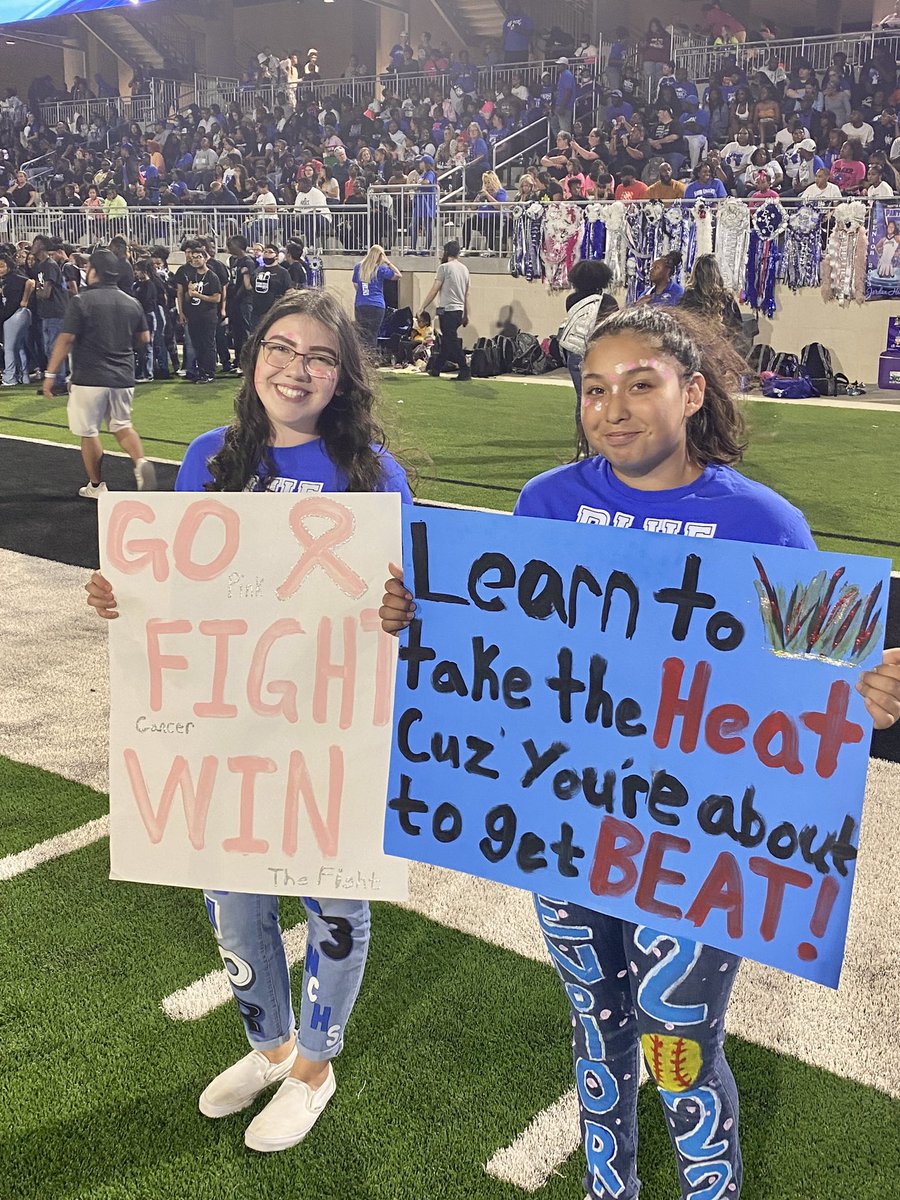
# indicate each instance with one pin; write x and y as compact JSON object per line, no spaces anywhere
{"x":770,"y":128}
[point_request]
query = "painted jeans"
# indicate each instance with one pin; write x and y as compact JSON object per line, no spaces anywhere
{"x":250,"y":943}
{"x":632,"y":989}
{"x":15,"y":346}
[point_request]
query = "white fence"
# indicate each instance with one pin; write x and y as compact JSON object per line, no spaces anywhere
{"x":163,"y":97}
{"x":701,"y":58}
{"x":402,"y":220}
{"x":226,"y":91}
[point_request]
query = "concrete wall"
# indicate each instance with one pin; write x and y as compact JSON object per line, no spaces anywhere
{"x":23,"y":62}
{"x":336,"y":31}
{"x":855,"y":335}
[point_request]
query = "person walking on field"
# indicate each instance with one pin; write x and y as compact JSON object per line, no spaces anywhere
{"x":451,"y":287}
{"x":101,"y":329}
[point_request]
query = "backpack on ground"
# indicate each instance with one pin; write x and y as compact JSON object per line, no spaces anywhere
{"x":527,"y":354}
{"x":553,"y":355}
{"x":816,"y":360}
{"x":482,"y":362}
{"x":491,"y":356}
{"x":787,"y":366}
{"x":761,"y":359}
{"x":505,"y":351}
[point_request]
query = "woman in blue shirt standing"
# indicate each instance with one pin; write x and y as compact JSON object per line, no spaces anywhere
{"x":489,"y":212}
{"x":369,"y":277}
{"x":666,"y":289}
{"x":424,"y":205}
{"x":304,"y":421}
{"x":477,"y":159}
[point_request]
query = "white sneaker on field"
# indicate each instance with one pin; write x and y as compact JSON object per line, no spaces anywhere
{"x":289,"y":1115}
{"x":91,"y":491}
{"x":238,"y":1086}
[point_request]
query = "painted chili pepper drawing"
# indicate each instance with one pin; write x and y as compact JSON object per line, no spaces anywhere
{"x":817,"y":620}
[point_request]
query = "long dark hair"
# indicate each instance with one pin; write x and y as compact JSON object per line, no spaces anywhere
{"x":347,"y":426}
{"x":716,"y":432}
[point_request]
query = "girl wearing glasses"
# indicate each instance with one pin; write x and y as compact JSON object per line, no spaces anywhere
{"x":304,"y":421}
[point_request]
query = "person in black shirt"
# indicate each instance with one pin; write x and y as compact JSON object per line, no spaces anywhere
{"x":270,"y":284}
{"x":199,"y":309}
{"x":102,"y":329}
{"x":293,"y":262}
{"x":119,"y":247}
{"x":666,"y":139}
{"x":239,"y":296}
{"x":70,"y":273}
{"x":168,"y":352}
{"x":23,"y":195}
{"x":630,"y":152}
{"x":50,"y":297}
{"x":149,"y":291}
{"x":15,"y":321}
{"x":219,"y":268}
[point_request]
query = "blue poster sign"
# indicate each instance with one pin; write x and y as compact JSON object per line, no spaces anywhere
{"x":661,"y":728}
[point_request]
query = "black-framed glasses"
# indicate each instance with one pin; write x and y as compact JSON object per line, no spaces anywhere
{"x":318,"y":363}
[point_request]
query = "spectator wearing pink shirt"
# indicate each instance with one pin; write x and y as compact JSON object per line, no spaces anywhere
{"x":848,"y":171}
{"x":764,"y":190}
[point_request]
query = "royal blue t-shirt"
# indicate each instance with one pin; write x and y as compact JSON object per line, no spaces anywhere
{"x":478,"y":149}
{"x":714,"y":190}
{"x":304,"y":469}
{"x":720,"y":503}
{"x":517,"y":33}
{"x":373,"y":291}
{"x":671,"y":294}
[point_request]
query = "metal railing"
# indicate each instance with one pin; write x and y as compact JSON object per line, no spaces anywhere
{"x":38,"y":168}
{"x":225,"y":91}
{"x":399,"y":218}
{"x":345,"y":229}
{"x":520,"y":144}
{"x":162,"y":98}
{"x":701,"y":58}
{"x":112,"y":109}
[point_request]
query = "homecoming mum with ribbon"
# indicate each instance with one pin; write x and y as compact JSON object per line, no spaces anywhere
{"x":661,"y":432}
{"x":303,"y":421}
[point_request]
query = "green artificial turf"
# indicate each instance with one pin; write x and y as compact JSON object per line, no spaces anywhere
{"x":454,"y":1046}
{"x":478,"y":443}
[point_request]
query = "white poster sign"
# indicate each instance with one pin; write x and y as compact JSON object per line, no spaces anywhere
{"x":251,"y":691}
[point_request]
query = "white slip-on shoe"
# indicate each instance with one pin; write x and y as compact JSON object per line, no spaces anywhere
{"x":289,"y":1115}
{"x":240,"y":1084}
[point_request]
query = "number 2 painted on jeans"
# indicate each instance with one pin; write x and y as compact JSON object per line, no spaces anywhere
{"x":696,"y":1143}
{"x":661,"y":981}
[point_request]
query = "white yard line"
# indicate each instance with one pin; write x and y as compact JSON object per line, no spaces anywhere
{"x":35,"y":856}
{"x":12,"y":437}
{"x":550,"y":1138}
